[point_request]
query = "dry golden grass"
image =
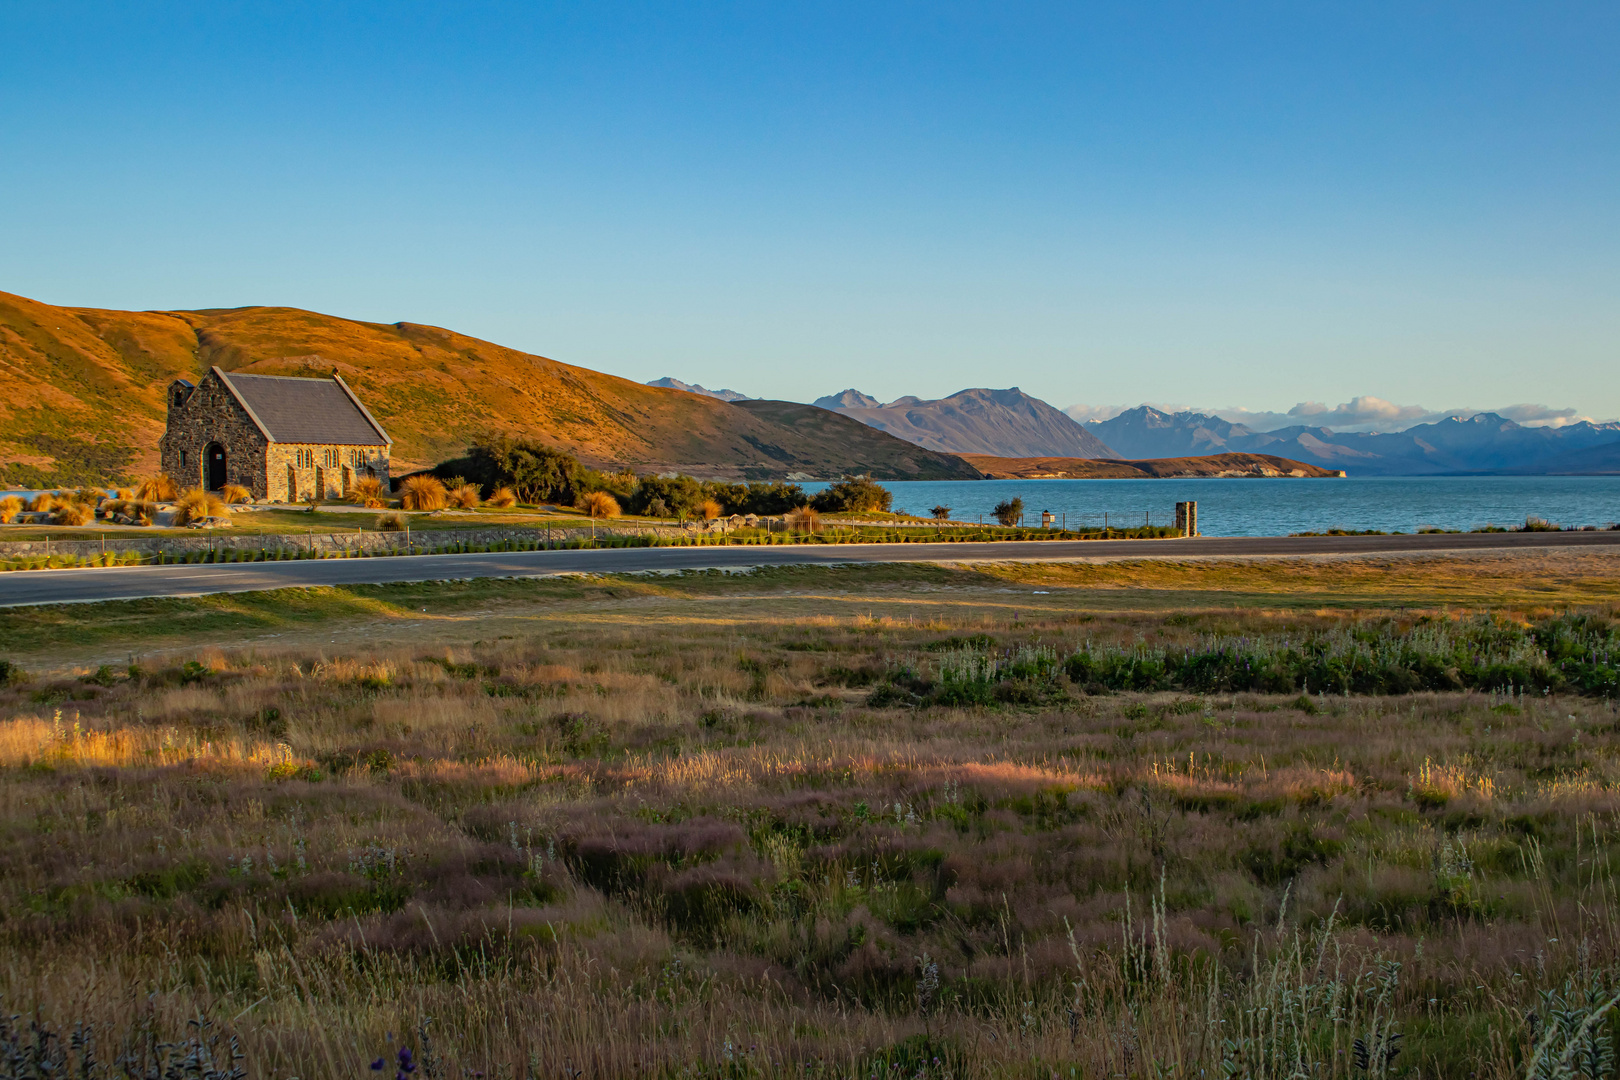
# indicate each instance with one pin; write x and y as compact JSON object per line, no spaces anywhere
{"x":709,"y":509}
{"x":156,"y":488}
{"x":197,"y":504}
{"x":391,"y":522}
{"x":503,"y":498}
{"x":599,"y":504}
{"x":44,"y":502}
{"x":423,"y":492}
{"x":234,"y":493}
{"x":464,"y":496}
{"x":804,"y":519}
{"x":593,"y":849}
{"x":10,"y":507}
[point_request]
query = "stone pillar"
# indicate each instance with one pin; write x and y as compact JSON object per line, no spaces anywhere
{"x":1187,"y":518}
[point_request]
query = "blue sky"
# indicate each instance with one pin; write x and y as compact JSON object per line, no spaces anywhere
{"x":1223,"y":205}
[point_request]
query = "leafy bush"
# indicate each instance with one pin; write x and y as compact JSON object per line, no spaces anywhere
{"x":423,"y":492}
{"x":941,"y":513}
{"x":771,"y":498}
{"x":1008,"y":511}
{"x":680,"y":495}
{"x":861,"y":494}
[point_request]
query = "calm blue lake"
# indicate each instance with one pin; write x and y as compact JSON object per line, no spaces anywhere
{"x":1279,"y":507}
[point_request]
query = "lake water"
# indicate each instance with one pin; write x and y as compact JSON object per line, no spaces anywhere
{"x":1278,"y":507}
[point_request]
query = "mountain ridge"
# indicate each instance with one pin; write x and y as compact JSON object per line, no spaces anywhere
{"x":1000,"y":423}
{"x":669,"y":382}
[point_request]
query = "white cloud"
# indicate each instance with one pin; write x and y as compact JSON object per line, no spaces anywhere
{"x":1082,"y":414}
{"x":1541,"y":415}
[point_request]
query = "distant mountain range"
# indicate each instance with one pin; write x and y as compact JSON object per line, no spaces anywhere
{"x":1483,"y":443}
{"x":1001,"y":423}
{"x":668,"y":383}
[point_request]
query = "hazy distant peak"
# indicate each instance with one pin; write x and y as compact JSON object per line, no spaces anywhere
{"x":669,"y":383}
{"x":847,"y":399}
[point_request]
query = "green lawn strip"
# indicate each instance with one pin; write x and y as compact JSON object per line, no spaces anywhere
{"x":1104,"y":587}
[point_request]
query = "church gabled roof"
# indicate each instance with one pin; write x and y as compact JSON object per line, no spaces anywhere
{"x":293,"y":410}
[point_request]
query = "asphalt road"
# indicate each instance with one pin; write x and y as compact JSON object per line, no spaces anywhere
{"x":27,"y":587}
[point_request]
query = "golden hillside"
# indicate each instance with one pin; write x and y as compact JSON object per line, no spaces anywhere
{"x":81,"y":397}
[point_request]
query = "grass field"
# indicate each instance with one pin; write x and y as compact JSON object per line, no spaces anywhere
{"x":867,"y":821}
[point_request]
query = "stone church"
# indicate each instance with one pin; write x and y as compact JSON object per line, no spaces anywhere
{"x":284,"y":439}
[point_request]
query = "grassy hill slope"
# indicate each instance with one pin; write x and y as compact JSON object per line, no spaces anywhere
{"x":81,"y":397}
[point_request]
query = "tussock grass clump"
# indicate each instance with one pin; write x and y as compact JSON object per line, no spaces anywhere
{"x":231,"y":494}
{"x":393,"y":521}
{"x":156,"y":488}
{"x":708,"y":509}
{"x":197,"y":504}
{"x":503,"y":498}
{"x":599,"y":504}
{"x":73,"y":513}
{"x":464,"y":495}
{"x":423,"y":492}
{"x":10,"y":507}
{"x":44,"y":502}
{"x":367,"y":491}
{"x":805,"y":519}
{"x":130,"y":509}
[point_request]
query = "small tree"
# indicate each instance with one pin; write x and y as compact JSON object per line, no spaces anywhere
{"x":1008,"y":511}
{"x":535,"y":473}
{"x":853,"y":496}
{"x":941,"y":513}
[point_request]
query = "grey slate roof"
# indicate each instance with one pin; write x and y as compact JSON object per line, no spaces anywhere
{"x":305,"y":410}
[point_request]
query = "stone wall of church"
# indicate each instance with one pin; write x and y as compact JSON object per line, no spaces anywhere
{"x":211,"y":414}
{"x":297,"y":472}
